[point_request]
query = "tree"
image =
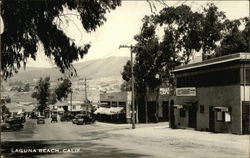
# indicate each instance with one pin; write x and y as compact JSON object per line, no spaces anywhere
{"x":212,"y":28}
{"x":192,"y":31}
{"x":42,"y":93}
{"x":126,"y":86}
{"x":52,"y":98}
{"x":63,"y":89}
{"x":28,"y":23}
{"x":234,"y":39}
{"x":185,"y":27}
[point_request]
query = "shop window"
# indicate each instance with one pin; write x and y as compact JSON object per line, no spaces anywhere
{"x":227,"y":117}
{"x":247,"y":76}
{"x":223,"y":116}
{"x":182,"y":112}
{"x":114,"y":104}
{"x":122,"y":103}
{"x":201,"y":108}
{"x":219,"y":116}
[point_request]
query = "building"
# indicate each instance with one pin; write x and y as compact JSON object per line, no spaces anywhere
{"x":154,"y":110}
{"x":213,"y":95}
{"x":114,"y":107}
{"x":59,"y":107}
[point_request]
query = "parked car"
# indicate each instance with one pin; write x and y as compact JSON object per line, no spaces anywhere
{"x":41,"y":120}
{"x":78,"y":119}
{"x":66,"y":117}
{"x":54,"y":118}
{"x":11,"y":124}
{"x":84,"y":118}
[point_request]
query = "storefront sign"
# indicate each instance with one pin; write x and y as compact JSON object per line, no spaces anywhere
{"x":164,"y":91}
{"x":187,"y":91}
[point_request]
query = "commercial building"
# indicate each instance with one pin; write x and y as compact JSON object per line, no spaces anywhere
{"x":155,"y":107}
{"x":213,"y":95}
{"x":114,"y":107}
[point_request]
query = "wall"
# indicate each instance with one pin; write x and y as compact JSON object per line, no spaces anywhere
{"x":181,"y":122}
{"x":116,"y":96}
{"x":228,"y":96}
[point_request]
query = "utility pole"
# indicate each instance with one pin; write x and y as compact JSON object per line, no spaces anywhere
{"x":132,"y":94}
{"x":86,"y":94}
{"x":71,"y":99}
{"x":1,"y":31}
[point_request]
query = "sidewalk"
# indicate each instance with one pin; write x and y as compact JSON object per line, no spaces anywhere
{"x":157,"y":140}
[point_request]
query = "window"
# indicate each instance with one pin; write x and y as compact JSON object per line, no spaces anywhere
{"x":216,"y":78}
{"x":223,"y":116}
{"x":247,"y":76}
{"x":74,"y":107}
{"x":122,"y":103}
{"x":219,"y":116}
{"x":114,"y":104}
{"x":227,"y":117}
{"x":182,"y":112}
{"x":201,"y":108}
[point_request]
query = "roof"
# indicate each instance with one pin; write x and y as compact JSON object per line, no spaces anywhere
{"x":213,"y":61}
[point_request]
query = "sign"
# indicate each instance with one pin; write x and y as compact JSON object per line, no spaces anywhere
{"x":164,"y":91}
{"x":187,"y":91}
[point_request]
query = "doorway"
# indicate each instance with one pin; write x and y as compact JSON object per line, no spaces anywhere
{"x":192,"y":115}
{"x":211,"y":119}
{"x":245,"y":117}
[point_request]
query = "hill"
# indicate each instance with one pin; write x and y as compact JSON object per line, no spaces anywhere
{"x":95,"y":69}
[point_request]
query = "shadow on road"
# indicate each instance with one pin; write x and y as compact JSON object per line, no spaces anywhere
{"x":71,"y":149}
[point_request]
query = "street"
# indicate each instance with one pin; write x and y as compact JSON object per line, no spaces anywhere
{"x":64,"y":139}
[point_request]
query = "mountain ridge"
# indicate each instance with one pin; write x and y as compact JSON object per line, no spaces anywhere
{"x":96,"y":68}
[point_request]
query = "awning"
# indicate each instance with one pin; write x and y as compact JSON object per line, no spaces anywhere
{"x":109,"y":111}
{"x":178,"y":106}
{"x":226,"y":109}
{"x":116,"y":110}
{"x":100,"y":110}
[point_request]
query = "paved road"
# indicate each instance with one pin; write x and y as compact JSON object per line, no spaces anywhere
{"x":62,"y":139}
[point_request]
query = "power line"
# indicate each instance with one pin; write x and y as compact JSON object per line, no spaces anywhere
{"x":95,"y":61}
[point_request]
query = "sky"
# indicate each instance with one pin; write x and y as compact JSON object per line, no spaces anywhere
{"x":121,"y":26}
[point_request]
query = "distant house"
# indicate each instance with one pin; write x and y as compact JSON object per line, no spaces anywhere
{"x":77,"y":107}
{"x":213,"y":95}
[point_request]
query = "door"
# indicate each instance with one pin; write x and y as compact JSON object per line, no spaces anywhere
{"x":211,"y":119}
{"x":171,"y":115}
{"x":165,"y":110}
{"x":192,"y":115}
{"x":245,"y":117}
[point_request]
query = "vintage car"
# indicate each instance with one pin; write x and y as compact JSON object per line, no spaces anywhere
{"x":78,"y":119}
{"x":53,"y":118}
{"x":12,"y":124}
{"x":41,"y":120}
{"x":84,"y":118}
{"x":66,"y":117}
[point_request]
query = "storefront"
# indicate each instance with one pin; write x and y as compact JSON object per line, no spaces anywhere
{"x":213,"y":95}
{"x":114,"y":107}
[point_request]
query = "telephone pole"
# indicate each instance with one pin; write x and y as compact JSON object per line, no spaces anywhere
{"x":132,"y":78}
{"x":86,"y":94}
